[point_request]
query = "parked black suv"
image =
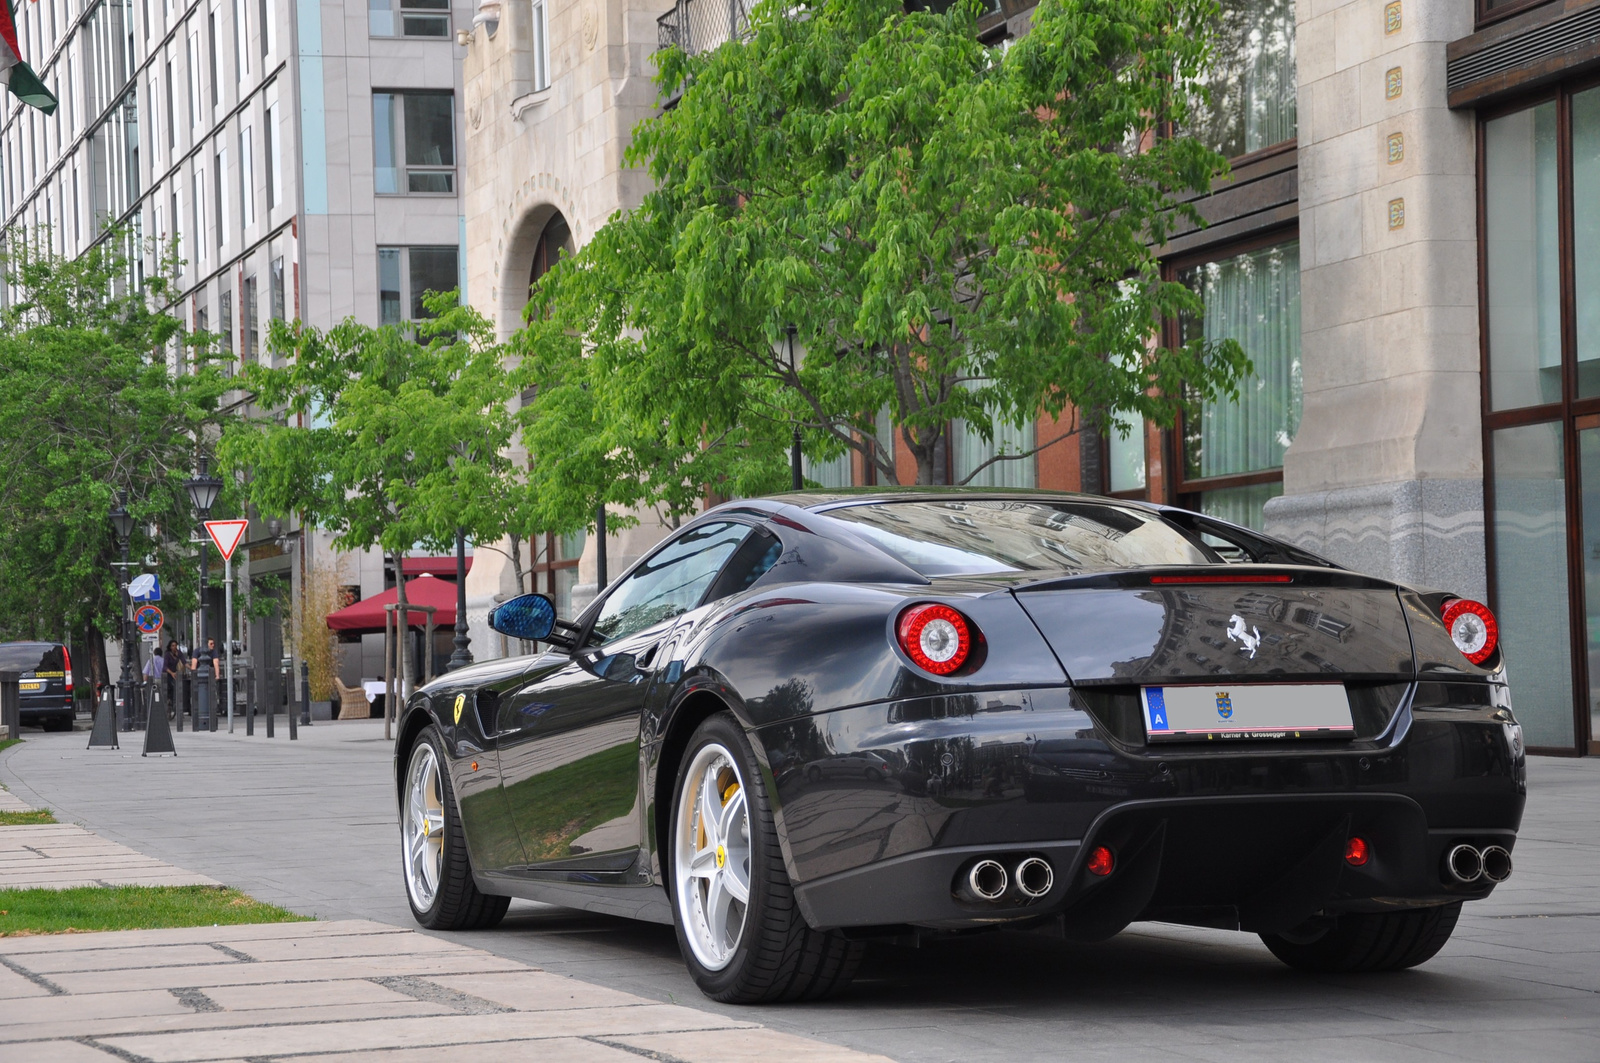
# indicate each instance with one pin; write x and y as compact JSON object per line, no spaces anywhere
{"x":46,"y":669}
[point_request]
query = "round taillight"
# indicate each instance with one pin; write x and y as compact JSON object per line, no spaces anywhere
{"x":936,"y":637}
{"x":1472,"y":628}
{"x":1357,"y":852}
{"x":1102,"y":861}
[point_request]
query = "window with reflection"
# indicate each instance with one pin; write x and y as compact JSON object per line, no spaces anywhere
{"x":1252,"y":86}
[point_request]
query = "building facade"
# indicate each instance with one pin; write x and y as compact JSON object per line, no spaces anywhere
{"x":1405,"y":247}
{"x":300,"y":160}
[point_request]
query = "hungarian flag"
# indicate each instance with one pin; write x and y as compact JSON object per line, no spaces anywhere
{"x":14,"y":73}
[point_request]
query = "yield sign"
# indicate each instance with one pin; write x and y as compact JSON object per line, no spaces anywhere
{"x":226,"y":534}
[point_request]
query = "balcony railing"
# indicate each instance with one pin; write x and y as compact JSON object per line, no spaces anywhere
{"x":700,"y":25}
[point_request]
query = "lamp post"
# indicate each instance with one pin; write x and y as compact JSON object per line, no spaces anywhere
{"x":122,"y":525}
{"x":799,"y":481}
{"x":203,"y":490}
{"x":462,"y":655}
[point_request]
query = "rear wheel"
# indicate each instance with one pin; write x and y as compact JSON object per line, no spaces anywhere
{"x":739,"y":928}
{"x":1370,"y":941}
{"x":56,"y":723}
{"x":433,"y":850}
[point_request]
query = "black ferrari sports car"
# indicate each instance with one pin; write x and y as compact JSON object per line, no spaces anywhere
{"x":807,"y":721}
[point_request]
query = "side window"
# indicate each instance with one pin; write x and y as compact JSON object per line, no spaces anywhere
{"x":672,"y":581}
{"x":748,"y":564}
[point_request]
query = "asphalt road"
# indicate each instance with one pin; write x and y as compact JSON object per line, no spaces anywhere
{"x":310,"y":826}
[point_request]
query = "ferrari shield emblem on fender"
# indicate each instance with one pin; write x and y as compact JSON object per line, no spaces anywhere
{"x":1224,"y":704}
{"x":461,"y":703}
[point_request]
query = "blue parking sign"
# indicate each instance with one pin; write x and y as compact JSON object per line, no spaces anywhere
{"x":145,"y":587}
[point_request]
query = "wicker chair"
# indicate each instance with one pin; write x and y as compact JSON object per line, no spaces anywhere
{"x":353,"y":702}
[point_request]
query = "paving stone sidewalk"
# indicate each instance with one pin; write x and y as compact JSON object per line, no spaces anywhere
{"x":344,"y":991}
{"x":350,"y":991}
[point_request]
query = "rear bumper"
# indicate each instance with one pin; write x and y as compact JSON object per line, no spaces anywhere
{"x":881,"y":807}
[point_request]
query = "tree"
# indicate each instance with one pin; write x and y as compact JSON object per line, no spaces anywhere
{"x":953,"y":231}
{"x":101,"y":391}
{"x":390,"y":437}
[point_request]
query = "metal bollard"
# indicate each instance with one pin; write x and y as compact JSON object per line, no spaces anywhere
{"x":249,"y":707}
{"x":11,"y":702}
{"x":271,"y":709}
{"x":305,"y":701}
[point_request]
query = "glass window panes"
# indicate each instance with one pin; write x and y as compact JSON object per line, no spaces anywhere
{"x":389,"y":308}
{"x":413,"y":142}
{"x":670,"y":582}
{"x":1252,"y":86}
{"x":1125,"y":452}
{"x":1589,"y":485}
{"x":1253,"y":298}
{"x":1523,"y":258}
{"x":541,"y":46}
{"x":1530,"y":557}
{"x":408,"y":18}
{"x":969,"y":450}
{"x":832,"y":473}
{"x":1241,"y":505}
{"x":433,"y":269}
{"x":1586,"y":237}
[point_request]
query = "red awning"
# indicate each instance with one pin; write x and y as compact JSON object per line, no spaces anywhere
{"x":366,"y":616}
{"x":443,"y":567}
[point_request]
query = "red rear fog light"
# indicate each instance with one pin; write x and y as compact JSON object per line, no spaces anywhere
{"x":1357,"y":852}
{"x":1102,"y":861}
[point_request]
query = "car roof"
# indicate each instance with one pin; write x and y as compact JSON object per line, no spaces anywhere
{"x":823,"y":499}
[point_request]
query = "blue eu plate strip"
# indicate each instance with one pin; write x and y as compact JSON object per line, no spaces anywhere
{"x":1156,"y":706}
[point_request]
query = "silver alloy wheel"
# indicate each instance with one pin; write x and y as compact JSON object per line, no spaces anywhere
{"x":711,"y":865}
{"x":422,"y":827}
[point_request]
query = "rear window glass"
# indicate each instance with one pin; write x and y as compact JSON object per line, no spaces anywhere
{"x":1006,"y":535}
{"x":29,"y":657}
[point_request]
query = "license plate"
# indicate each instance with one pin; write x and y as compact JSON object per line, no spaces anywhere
{"x":1283,"y":711}
{"x":30,"y":686}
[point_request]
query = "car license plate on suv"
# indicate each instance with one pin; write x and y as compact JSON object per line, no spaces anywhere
{"x":1279,"y":711}
{"x":30,"y":686}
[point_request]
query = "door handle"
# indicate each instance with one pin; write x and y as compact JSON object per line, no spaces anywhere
{"x":649,"y":655}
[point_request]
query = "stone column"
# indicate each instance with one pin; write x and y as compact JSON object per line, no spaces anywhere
{"x":1386,"y":472}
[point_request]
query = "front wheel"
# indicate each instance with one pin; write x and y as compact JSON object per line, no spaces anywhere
{"x":433,"y":850}
{"x":1370,"y":941}
{"x":741,"y":932}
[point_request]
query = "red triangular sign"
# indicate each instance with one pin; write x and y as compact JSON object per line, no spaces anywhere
{"x":226,"y":534}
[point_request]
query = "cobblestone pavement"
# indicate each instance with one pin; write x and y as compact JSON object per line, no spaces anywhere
{"x":311,"y":826}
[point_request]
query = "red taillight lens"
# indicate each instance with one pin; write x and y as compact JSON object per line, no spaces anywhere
{"x":1102,"y":861}
{"x":1357,"y":852}
{"x":66,"y":664}
{"x":936,"y":637}
{"x":1472,"y":628}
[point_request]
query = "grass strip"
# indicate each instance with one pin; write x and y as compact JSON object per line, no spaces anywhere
{"x":85,"y":909}
{"x":7,"y":743}
{"x":27,"y":817}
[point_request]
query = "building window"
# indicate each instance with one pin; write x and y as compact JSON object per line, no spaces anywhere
{"x":247,"y":175}
{"x":225,"y":322}
{"x":413,"y":139}
{"x":252,"y":334}
{"x":270,"y":129}
{"x":219,"y":170}
{"x":555,"y":566}
{"x":241,"y":39}
{"x":278,"y":299}
{"x":198,"y":194}
{"x":406,"y":273}
{"x":541,"y":46}
{"x":1233,"y":451}
{"x":1253,"y":82}
{"x":832,"y":473}
{"x":1125,"y":456}
{"x":408,"y":18}
{"x":1541,"y":337}
{"x":211,"y":55}
{"x":267,"y":29}
{"x":969,"y":452}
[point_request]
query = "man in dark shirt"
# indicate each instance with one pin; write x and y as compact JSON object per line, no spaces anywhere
{"x":205,"y":661}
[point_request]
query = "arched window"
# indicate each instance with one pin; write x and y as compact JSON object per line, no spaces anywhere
{"x":554,"y":241}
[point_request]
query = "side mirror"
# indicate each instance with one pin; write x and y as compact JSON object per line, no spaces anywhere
{"x":527,"y":616}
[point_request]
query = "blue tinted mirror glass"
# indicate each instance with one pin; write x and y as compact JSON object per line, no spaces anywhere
{"x":530,"y":616}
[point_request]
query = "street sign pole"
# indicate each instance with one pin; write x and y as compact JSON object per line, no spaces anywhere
{"x":227,"y":595}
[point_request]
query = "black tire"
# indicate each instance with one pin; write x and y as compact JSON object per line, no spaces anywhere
{"x":779,"y":957}
{"x":1371,"y":941}
{"x":457,"y":903}
{"x":56,"y":723}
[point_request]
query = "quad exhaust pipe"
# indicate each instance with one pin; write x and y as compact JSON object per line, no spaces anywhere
{"x":1465,"y":864}
{"x":989,"y":881}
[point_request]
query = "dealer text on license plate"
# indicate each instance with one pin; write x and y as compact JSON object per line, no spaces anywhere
{"x":1278,"y":711}
{"x":30,"y":686}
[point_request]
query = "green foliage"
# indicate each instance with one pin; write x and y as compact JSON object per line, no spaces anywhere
{"x":954,"y":231}
{"x":86,"y":908}
{"x":391,"y":437}
{"x":93,"y":401}
{"x":28,"y":817}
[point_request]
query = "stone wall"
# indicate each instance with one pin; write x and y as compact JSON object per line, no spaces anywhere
{"x":1386,"y":473}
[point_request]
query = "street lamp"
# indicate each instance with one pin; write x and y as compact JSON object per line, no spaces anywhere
{"x":122,"y":526}
{"x":203,"y":491}
{"x":462,"y":656}
{"x":794,"y":448}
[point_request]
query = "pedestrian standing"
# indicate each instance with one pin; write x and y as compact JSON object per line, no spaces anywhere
{"x":205,"y":661}
{"x":173,"y":665}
